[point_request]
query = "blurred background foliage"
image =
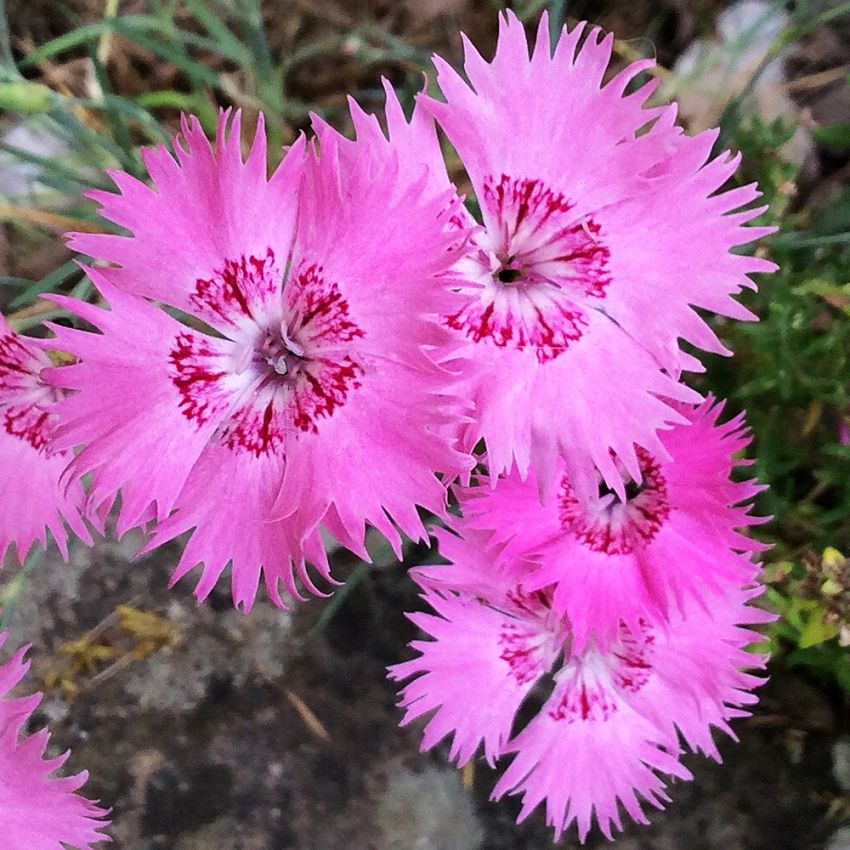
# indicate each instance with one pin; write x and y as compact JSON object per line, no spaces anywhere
{"x":84,"y":85}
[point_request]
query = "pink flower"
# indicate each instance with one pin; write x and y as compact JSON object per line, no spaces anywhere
{"x":675,"y":537}
{"x":37,"y":810}
{"x":33,"y":499}
{"x":300,"y":390}
{"x":599,"y":237}
{"x":611,"y":720}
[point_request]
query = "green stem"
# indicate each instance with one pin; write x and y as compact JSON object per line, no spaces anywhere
{"x":557,"y":16}
{"x":335,"y":603}
{"x":7,"y":59}
{"x":13,"y":592}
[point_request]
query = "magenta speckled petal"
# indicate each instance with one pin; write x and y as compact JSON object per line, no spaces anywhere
{"x":38,"y":811}
{"x":34,"y":499}
{"x":604,"y":226}
{"x":609,"y":729}
{"x":316,"y":397}
{"x":677,"y":535}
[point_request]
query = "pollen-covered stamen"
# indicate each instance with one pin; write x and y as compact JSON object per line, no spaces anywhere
{"x":288,"y":361}
{"x":280,"y":352}
{"x":535,"y":272}
{"x":609,"y":525}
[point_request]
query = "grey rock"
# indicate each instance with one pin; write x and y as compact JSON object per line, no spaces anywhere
{"x":840,"y":840}
{"x":841,"y":762}
{"x":429,"y":810}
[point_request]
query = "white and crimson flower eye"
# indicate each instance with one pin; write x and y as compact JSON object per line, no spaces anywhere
{"x":674,"y":533}
{"x":296,"y":386}
{"x":609,"y":728}
{"x":286,"y":361}
{"x":603,"y":226}
{"x":614,"y":525}
{"x":533,"y":270}
{"x":30,"y":469}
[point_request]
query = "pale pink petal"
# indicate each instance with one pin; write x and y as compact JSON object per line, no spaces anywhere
{"x":317,"y":398}
{"x":677,"y":535}
{"x":610,"y":728}
{"x":206,"y":207}
{"x":580,"y":285}
{"x":587,"y":753}
{"x":239,"y":527}
{"x":141,"y":428}
{"x":38,"y":811}
{"x":474,"y":673}
{"x":35,"y":501}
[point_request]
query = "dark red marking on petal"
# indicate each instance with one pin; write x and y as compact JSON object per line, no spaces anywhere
{"x":240,"y":288}
{"x":542,"y":242}
{"x":196,"y":373}
{"x":320,"y":312}
{"x":634,"y":666}
{"x":31,"y":423}
{"x":520,"y":649}
{"x":546,"y":332}
{"x":620,"y":529}
{"x":542,"y":268}
{"x":318,"y":374}
{"x":581,"y":700}
{"x":258,"y":430}
{"x":514,"y":201}
{"x":19,"y":366}
{"x":537,"y":603}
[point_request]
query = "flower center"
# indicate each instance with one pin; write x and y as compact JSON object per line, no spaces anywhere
{"x":591,"y":685}
{"x":506,"y":274}
{"x":286,"y":362}
{"x":613,"y":526}
{"x":534,"y":273}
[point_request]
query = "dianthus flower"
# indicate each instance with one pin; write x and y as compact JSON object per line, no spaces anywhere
{"x":298,"y":389}
{"x":675,"y":535}
{"x":602,"y":228}
{"x":610,"y":721}
{"x":37,"y":810}
{"x":33,"y":499}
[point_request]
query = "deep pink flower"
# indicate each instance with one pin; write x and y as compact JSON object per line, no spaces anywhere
{"x":676,"y":536}
{"x":611,"y":720}
{"x":37,"y":810}
{"x":599,"y":237}
{"x":301,"y":389}
{"x":33,"y":499}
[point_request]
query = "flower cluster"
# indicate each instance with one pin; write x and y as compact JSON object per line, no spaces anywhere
{"x":277,"y":359}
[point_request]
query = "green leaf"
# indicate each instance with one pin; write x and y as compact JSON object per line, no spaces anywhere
{"x":817,"y":631}
{"x":49,"y":284}
{"x":25,"y":97}
{"x":836,"y":136}
{"x":227,"y":44}
{"x":83,"y":35}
